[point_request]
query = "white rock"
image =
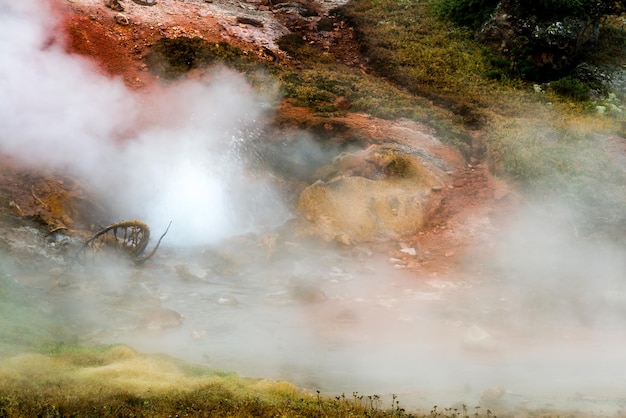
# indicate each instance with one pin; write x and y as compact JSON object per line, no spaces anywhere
{"x":476,"y":338}
{"x":191,"y":272}
{"x":228,"y":301}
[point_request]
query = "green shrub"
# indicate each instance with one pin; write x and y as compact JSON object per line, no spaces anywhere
{"x":173,"y":57}
{"x":297,"y":48}
{"x":494,"y":75}
{"x":594,"y":9}
{"x":470,"y":13}
{"x":500,"y":63}
{"x":290,"y":43}
{"x":571,"y":88}
{"x":473,"y":13}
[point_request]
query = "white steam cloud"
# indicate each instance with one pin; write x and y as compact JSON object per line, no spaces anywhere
{"x":544,"y":323}
{"x":171,"y":155}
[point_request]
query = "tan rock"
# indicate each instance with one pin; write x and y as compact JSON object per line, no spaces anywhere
{"x":372,"y":194}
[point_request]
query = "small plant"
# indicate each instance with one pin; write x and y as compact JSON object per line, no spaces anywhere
{"x":571,"y":88}
{"x":294,"y":45}
{"x":470,"y":13}
{"x":501,"y":63}
{"x":173,"y":57}
{"x":290,"y":43}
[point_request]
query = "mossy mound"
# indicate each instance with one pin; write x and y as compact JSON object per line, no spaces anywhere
{"x":173,"y":57}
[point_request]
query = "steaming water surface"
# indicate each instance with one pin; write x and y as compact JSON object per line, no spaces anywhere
{"x":338,"y":321}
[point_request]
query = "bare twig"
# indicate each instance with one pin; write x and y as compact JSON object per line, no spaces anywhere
{"x":129,"y":237}
{"x":32,"y":191}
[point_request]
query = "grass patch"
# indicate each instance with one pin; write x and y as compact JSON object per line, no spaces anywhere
{"x":565,"y":159}
{"x":410,"y":44}
{"x":320,"y":86}
{"x":470,"y":13}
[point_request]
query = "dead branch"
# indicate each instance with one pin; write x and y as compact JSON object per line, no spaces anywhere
{"x":57,"y":229}
{"x":41,"y":202}
{"x":156,"y":247}
{"x":16,"y":208}
{"x":128,"y":237}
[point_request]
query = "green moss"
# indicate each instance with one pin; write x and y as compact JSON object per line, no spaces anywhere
{"x":471,"y":13}
{"x":399,"y":167}
{"x":294,"y":45}
{"x":217,"y":399}
{"x":173,"y":57}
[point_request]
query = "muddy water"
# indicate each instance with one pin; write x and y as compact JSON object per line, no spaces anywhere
{"x":345,"y":320}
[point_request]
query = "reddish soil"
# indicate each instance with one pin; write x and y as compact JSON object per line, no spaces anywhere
{"x":470,"y":211}
{"x":469,"y":205}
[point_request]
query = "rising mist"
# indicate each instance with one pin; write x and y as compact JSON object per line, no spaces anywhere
{"x":182,"y":165}
{"x":541,"y":324}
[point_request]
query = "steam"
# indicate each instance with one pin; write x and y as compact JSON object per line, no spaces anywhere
{"x":559,"y":276}
{"x":183,"y":162}
{"x":549,"y":315}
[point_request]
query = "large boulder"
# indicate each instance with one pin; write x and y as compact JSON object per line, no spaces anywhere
{"x":538,"y":45}
{"x":376,"y":194}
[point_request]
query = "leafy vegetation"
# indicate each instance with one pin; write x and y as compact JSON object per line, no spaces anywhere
{"x":470,"y":13}
{"x":525,"y":49}
{"x":473,"y":13}
{"x":572,"y":88}
{"x":594,"y":9}
{"x":173,"y":57}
